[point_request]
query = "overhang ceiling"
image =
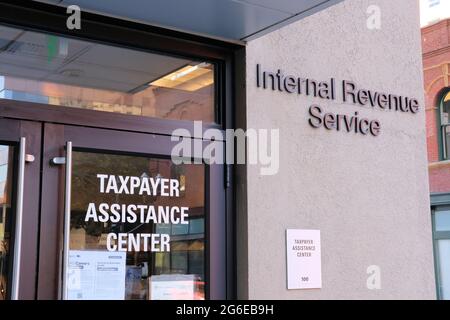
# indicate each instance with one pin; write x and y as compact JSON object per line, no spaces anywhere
{"x":229,"y":20}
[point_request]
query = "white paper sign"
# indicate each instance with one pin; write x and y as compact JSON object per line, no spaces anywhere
{"x":304,"y":266}
{"x":96,"y":275}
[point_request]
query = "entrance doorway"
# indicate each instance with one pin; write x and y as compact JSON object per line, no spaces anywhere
{"x":92,"y":205}
{"x":99,"y":213}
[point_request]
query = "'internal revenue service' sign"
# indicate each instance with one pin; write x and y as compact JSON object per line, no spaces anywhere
{"x":304,"y":267}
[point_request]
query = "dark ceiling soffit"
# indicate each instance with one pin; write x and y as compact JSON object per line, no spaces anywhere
{"x":310,"y":11}
{"x":20,"y":13}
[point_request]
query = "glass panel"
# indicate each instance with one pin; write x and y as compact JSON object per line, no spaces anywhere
{"x":6,"y":172}
{"x":129,"y":229}
{"x":60,"y":71}
{"x":444,"y":268}
{"x":442,"y":220}
{"x":446,"y":137}
{"x":180,"y":229}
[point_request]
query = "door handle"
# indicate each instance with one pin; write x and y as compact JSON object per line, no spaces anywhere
{"x":67,"y":207}
{"x":18,"y":227}
{"x":29,"y":158}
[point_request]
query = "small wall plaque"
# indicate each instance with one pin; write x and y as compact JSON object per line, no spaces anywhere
{"x":304,"y":265}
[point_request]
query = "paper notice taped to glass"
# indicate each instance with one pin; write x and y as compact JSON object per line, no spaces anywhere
{"x":96,"y":275}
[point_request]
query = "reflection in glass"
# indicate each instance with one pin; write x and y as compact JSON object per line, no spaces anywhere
{"x":175,"y":274}
{"x":60,"y":71}
{"x":6,"y":171}
{"x":442,"y":220}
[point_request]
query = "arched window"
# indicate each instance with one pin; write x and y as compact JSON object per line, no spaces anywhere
{"x":444,"y":109}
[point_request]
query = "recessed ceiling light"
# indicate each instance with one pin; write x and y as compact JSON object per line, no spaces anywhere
{"x":188,"y":78}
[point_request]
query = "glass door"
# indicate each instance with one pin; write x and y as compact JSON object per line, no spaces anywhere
{"x":19,"y":207}
{"x":129,"y":223}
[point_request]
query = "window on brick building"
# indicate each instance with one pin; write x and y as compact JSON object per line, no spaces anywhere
{"x":444,"y":108}
{"x":441,"y":236}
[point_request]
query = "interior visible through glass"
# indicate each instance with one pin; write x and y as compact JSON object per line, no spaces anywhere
{"x":59,"y":71}
{"x":6,"y":172}
{"x":137,"y":228}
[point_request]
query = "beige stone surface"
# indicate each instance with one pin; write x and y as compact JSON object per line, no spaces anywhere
{"x":368,"y":195}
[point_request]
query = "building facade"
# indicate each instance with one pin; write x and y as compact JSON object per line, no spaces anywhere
{"x":436,"y":64}
{"x":125,"y":174}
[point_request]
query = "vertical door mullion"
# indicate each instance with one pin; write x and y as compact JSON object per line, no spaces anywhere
{"x":217,"y":246}
{"x":51,"y":218}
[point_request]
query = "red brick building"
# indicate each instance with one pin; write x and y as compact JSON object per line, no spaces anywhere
{"x":436,"y":65}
